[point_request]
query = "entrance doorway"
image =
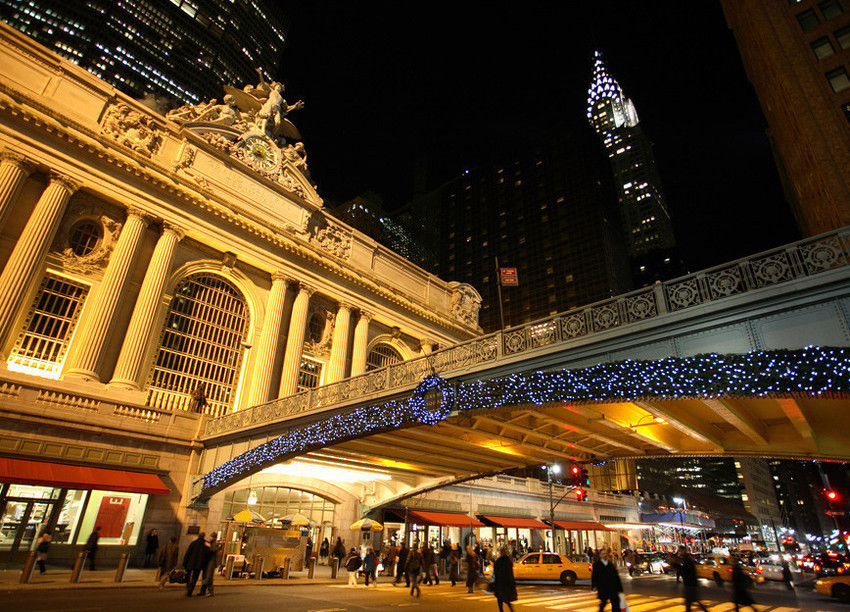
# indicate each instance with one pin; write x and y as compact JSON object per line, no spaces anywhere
{"x":21,"y":522}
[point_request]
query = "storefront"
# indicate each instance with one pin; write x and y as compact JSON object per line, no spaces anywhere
{"x":69,"y":502}
{"x":434,"y":528}
{"x":518,"y":534}
{"x":580,"y":535}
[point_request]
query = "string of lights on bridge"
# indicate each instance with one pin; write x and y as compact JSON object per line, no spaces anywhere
{"x":812,"y":371}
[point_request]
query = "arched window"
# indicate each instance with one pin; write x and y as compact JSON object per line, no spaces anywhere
{"x":197,"y":366}
{"x":381,"y":356}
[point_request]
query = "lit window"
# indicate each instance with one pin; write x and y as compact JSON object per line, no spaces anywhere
{"x":842,"y":37}
{"x":822,"y":48}
{"x":309,"y":374}
{"x":41,"y":348}
{"x":84,"y":237}
{"x":830,"y":9}
{"x":381,"y":356}
{"x":808,"y":20}
{"x":838,"y":79}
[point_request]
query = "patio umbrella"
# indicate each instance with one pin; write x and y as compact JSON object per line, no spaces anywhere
{"x":246,"y":516}
{"x":367,"y":525}
{"x":296,"y":520}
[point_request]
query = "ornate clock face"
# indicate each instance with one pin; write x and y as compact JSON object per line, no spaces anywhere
{"x":261,"y":153}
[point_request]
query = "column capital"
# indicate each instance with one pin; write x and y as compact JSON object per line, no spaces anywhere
{"x":16,"y":159}
{"x":345,"y":306}
{"x":365,"y":314}
{"x":278,"y":275}
{"x":146,"y":217}
{"x":171,"y":228}
{"x":305,"y":288}
{"x":64,"y":181}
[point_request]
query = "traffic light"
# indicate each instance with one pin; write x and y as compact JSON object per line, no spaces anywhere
{"x":584,"y":478}
{"x":581,"y":495}
{"x":831,"y":495}
{"x":576,"y":474}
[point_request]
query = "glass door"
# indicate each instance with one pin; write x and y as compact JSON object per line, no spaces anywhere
{"x":20,"y":525}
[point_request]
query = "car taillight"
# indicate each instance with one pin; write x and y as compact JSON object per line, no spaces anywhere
{"x":590,"y":566}
{"x":817,"y":568}
{"x":840,"y":570}
{"x":758,"y":570}
{"x":729,"y":569}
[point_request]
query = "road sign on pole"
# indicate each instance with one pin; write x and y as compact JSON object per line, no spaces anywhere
{"x":508,"y":277}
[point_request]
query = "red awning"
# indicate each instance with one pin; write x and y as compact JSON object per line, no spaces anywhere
{"x":581,"y":526}
{"x":78,"y":477}
{"x":520,"y":523}
{"x":443,"y":519}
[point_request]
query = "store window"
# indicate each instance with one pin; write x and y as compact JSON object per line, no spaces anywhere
{"x":41,"y":348}
{"x":119,"y":516}
{"x":381,"y":356}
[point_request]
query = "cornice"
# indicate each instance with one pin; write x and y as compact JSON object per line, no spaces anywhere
{"x":23,"y":107}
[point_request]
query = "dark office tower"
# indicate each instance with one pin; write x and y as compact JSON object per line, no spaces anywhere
{"x":797,"y":56}
{"x":180,"y":49}
{"x":799,"y":493}
{"x":551,"y":214}
{"x":643,"y":211}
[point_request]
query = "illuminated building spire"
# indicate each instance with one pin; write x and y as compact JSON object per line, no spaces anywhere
{"x":606,"y":91}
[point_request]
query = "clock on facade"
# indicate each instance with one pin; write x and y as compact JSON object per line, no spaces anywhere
{"x":261,"y":153}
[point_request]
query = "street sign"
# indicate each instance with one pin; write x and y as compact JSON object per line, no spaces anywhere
{"x":508,"y":277}
{"x":835,"y":513}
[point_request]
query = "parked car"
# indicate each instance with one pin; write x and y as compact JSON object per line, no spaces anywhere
{"x":652,"y":563}
{"x":834,"y":586}
{"x":550,"y":566}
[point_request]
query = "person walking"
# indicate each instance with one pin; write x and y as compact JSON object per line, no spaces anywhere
{"x":151,"y":546}
{"x":605,"y":580}
{"x":390,"y":560}
{"x":413,"y":567}
{"x":787,"y":576}
{"x":370,"y":563}
{"x":428,"y":560}
{"x":91,"y":546}
{"x":352,"y":565}
{"x":41,"y":551}
{"x":504,"y":585}
{"x":338,"y":552}
{"x":193,"y":562}
{"x":472,"y":567}
{"x":210,"y":565}
{"x":401,"y":566}
{"x":324,"y":551}
{"x":741,"y":584}
{"x":686,"y":568}
{"x":454,"y":561}
{"x":168,"y":557}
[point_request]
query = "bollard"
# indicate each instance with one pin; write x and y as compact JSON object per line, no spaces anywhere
{"x":29,"y":568}
{"x":122,"y":567}
{"x":79,"y":564}
{"x":287,"y":565}
{"x":335,"y":567}
{"x":228,"y":567}
{"x":311,"y":567}
{"x":259,"y":566}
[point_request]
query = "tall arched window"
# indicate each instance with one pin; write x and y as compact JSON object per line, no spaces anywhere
{"x":381,"y":356}
{"x":197,"y":366}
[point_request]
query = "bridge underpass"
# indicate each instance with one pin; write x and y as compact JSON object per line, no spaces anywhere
{"x":714,"y":373}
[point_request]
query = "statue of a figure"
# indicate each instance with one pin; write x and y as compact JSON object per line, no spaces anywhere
{"x":264,"y":107}
{"x":218,"y":114}
{"x":199,"y":399}
{"x":297,"y":154}
{"x":273,"y":110}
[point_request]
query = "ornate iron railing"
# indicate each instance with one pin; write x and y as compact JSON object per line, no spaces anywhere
{"x":798,"y":260}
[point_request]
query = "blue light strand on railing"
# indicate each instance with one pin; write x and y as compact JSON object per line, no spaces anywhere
{"x":812,"y":371}
{"x":362,"y":421}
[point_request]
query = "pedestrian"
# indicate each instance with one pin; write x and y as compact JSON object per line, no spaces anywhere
{"x":151,"y":546}
{"x":741,"y":584}
{"x":41,"y":549}
{"x":472,"y":567}
{"x":454,"y":560}
{"x":370,"y":563}
{"x":309,"y":552}
{"x":686,"y":567}
{"x":193,"y":562}
{"x":91,"y":546}
{"x":401,"y":566}
{"x":168,"y":557}
{"x":413,"y":567}
{"x":428,"y":561}
{"x":339,"y":551}
{"x":324,"y":551}
{"x":352,"y":565}
{"x":504,"y":585}
{"x":605,"y":580}
{"x":787,"y":576}
{"x":390,"y":560}
{"x":210,"y":565}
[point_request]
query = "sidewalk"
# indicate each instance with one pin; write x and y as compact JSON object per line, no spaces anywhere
{"x":58,"y":577}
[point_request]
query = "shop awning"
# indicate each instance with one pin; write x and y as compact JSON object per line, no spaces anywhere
{"x":443,"y":519}
{"x":42,"y":473}
{"x":581,"y":526}
{"x":519,"y":523}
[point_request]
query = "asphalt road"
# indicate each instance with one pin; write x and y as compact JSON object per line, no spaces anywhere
{"x":645,"y":594}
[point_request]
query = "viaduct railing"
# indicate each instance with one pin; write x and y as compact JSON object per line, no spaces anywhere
{"x":798,"y":260}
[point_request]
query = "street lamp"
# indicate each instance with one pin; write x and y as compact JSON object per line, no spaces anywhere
{"x":681,"y":503}
{"x":552,"y":469}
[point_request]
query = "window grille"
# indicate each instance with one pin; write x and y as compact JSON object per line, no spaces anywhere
{"x":84,"y":237}
{"x":41,"y":348}
{"x":197,"y":366}
{"x":381,"y":356}
{"x":309,"y":374}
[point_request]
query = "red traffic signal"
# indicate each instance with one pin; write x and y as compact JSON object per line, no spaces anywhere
{"x":831,"y":495}
{"x":581,"y":495}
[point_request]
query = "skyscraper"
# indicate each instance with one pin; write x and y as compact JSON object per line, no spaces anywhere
{"x":797,"y":56}
{"x":183,"y":49}
{"x":643,"y":210}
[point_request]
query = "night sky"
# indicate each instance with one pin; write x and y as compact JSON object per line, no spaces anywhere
{"x":463,"y":84}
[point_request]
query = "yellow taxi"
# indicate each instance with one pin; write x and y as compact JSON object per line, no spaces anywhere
{"x":834,"y":586}
{"x":551,"y":566}
{"x":719,"y":569}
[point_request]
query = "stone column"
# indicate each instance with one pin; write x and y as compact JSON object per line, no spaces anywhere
{"x":361,"y":342}
{"x":295,"y":342}
{"x":264,"y":359}
{"x":339,"y":347}
{"x":26,"y":258}
{"x":129,"y":365}
{"x":426,"y":346}
{"x":99,"y":310}
{"x":14,"y":170}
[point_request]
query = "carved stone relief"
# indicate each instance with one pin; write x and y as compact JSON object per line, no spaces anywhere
{"x":98,"y":256}
{"x":465,"y":303}
{"x":131,"y":129}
